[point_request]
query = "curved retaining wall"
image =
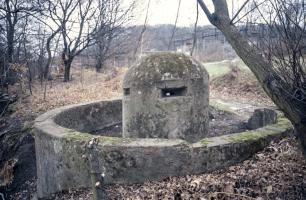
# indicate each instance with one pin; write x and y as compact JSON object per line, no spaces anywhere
{"x":59,"y":149}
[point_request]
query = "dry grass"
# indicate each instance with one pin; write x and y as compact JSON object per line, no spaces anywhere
{"x":278,"y":172}
{"x":239,"y":85}
{"x":87,"y":85}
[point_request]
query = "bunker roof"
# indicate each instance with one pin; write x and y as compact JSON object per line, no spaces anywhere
{"x":164,"y":66}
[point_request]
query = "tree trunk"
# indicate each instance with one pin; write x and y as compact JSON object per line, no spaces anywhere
{"x":49,"y":59}
{"x":98,"y":64}
{"x":67,"y":70}
{"x":271,"y":82}
{"x":10,"y":75}
{"x":10,"y":44}
{"x":10,"y":35}
{"x":47,"y":66}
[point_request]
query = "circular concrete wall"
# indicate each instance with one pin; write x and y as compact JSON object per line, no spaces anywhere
{"x":61,"y":136}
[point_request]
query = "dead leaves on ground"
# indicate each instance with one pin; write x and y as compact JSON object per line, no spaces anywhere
{"x":278,"y":172}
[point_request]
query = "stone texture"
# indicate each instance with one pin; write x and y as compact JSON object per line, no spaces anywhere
{"x":60,"y":150}
{"x":262,"y":117}
{"x":86,"y":118}
{"x":166,"y":95}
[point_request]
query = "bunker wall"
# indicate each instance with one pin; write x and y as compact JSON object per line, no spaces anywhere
{"x":60,"y":151}
{"x":92,"y":117}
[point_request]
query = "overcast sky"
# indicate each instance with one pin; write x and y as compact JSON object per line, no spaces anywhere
{"x":164,"y":12}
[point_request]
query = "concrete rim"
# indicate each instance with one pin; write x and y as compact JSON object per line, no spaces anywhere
{"x":46,"y":123}
{"x":59,"y":152}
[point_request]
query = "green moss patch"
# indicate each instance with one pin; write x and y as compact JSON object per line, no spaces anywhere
{"x":155,"y":67}
{"x":78,"y":136}
{"x":168,"y":62}
{"x":281,"y":126}
{"x":283,"y":123}
{"x":104,"y":140}
{"x":252,"y":135}
{"x":206,"y":141}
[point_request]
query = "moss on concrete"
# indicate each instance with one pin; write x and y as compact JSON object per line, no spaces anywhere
{"x":28,"y":126}
{"x":127,"y":160}
{"x":104,"y":140}
{"x":160,"y":65}
{"x":205,"y":141}
{"x":282,"y":125}
{"x":252,"y":135}
{"x":78,"y":136}
{"x":147,"y":114}
{"x":167,"y":62}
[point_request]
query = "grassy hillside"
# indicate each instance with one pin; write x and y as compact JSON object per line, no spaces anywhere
{"x":216,"y":69}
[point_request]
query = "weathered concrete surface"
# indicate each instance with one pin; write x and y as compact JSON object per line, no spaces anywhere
{"x":86,"y":118}
{"x":59,"y":151}
{"x":58,"y":157}
{"x":166,"y":95}
{"x":262,"y":117}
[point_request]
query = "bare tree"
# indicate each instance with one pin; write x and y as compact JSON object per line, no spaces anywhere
{"x":49,"y":53}
{"x":279,"y":64}
{"x":110,"y":22}
{"x":12,"y":14}
{"x":74,"y":18}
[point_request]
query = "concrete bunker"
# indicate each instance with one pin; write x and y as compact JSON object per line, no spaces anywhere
{"x":62,"y":134}
{"x":166,"y":95}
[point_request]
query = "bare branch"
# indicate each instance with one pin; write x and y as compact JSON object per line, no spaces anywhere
{"x":175,"y":23}
{"x":239,"y":11}
{"x":205,"y":9}
{"x":195,"y":31}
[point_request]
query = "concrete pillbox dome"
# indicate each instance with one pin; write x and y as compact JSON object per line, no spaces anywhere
{"x":166,"y":95}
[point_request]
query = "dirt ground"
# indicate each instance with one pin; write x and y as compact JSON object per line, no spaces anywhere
{"x":278,"y":172}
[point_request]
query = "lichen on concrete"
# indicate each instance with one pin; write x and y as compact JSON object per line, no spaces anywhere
{"x":167,"y":96}
{"x":156,"y":66}
{"x":78,"y":136}
{"x":282,"y":125}
{"x":60,"y":150}
{"x":282,"y":122}
{"x":104,"y":140}
{"x":205,"y":141}
{"x":251,"y":135}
